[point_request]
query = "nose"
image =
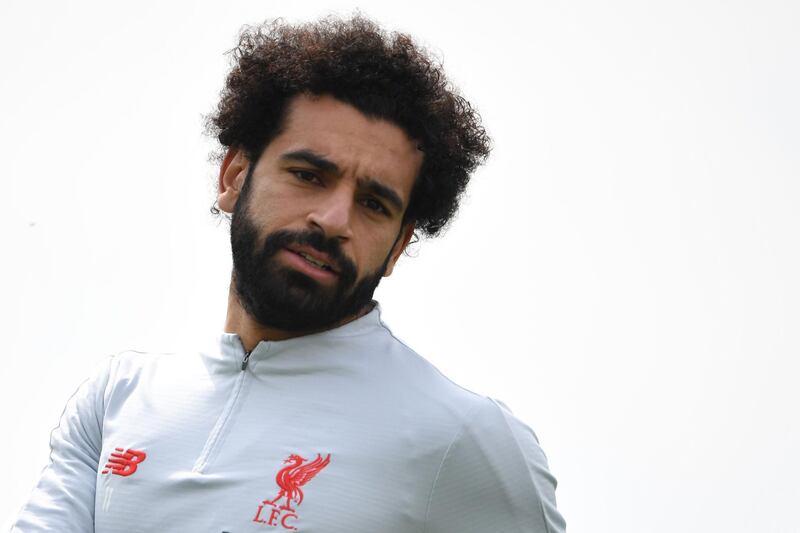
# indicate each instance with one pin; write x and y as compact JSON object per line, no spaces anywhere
{"x":332,"y":215}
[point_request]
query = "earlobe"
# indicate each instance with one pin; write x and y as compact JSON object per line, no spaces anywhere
{"x":232,"y":173}
{"x":403,"y":239}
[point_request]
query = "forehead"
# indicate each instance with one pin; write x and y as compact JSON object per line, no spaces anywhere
{"x":359,"y":145}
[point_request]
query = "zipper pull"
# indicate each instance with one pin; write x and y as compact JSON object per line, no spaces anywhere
{"x":245,"y":359}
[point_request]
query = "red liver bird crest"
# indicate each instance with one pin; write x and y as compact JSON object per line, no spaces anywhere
{"x":290,"y":478}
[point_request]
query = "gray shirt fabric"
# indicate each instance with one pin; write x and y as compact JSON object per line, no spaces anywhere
{"x":347,"y":430}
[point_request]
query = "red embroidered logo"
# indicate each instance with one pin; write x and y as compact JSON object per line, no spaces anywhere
{"x":290,"y":479}
{"x":124,"y":463}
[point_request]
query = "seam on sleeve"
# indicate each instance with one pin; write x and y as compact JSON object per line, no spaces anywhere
{"x":108,"y":390}
{"x":426,"y":361}
{"x":525,"y":462}
{"x":441,"y":465}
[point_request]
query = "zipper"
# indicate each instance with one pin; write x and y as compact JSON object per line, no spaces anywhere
{"x":222,"y":422}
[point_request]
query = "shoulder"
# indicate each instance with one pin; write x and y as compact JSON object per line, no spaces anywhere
{"x":492,"y":474}
{"x":133,"y":360}
{"x":129,"y":369}
{"x":422,"y":379}
{"x":129,"y":363}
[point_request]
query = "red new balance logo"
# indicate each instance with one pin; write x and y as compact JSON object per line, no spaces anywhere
{"x":124,"y":463}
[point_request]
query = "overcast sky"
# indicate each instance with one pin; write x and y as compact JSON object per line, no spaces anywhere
{"x":623,"y":273}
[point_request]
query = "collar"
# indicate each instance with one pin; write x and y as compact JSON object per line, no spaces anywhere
{"x":229,"y":351}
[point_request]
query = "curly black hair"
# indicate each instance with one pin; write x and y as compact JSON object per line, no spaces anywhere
{"x":384,"y":76}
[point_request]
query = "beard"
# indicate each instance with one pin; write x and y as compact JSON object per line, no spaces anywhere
{"x":283,"y":298}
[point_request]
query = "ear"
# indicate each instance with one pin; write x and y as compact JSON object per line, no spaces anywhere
{"x":231,"y":178}
{"x":404,"y":238}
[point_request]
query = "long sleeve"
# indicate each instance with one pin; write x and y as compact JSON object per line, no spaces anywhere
{"x":494,"y":477}
{"x":64,"y":498}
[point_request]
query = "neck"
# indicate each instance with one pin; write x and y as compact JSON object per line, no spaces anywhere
{"x":250,"y":332}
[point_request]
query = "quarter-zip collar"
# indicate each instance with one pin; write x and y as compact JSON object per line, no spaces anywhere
{"x":232,"y":355}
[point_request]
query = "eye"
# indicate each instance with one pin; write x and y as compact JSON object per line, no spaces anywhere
{"x":374,"y":205}
{"x":305,"y":175}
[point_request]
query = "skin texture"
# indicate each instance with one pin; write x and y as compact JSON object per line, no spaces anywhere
{"x":293,"y":194}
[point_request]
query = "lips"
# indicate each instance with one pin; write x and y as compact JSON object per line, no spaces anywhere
{"x":315,"y":258}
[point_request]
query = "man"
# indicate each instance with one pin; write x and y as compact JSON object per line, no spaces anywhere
{"x":307,"y":414}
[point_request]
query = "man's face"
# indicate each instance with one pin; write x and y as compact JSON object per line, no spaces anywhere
{"x":317,"y":220}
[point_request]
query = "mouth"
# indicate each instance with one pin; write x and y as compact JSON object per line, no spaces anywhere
{"x":315,"y":260}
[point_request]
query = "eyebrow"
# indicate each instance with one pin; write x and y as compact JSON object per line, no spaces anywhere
{"x":312,"y":158}
{"x":326,"y":165}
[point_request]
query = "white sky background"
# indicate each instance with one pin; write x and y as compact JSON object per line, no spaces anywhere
{"x":623,"y":273}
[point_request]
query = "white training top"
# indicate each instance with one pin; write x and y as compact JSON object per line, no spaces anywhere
{"x":347,"y":430}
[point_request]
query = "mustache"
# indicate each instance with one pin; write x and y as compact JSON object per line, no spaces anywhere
{"x":278,"y":240}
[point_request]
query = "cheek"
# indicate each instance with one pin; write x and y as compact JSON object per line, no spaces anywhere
{"x":273,"y":209}
{"x":376,"y":247}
